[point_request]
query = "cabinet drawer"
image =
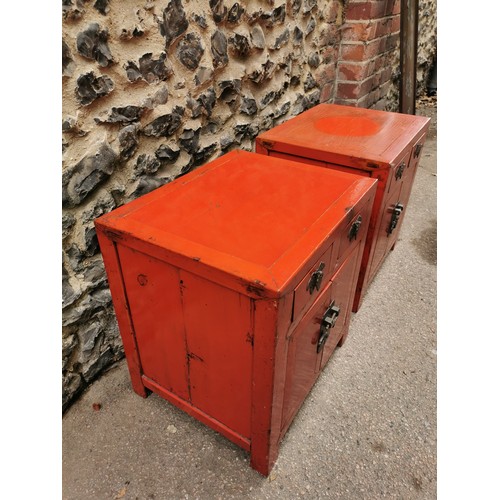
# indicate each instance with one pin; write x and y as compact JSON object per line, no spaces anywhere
{"x":400,"y":173}
{"x":353,"y":231}
{"x":315,"y":280}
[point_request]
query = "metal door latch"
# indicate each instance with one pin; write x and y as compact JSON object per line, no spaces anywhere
{"x":418,"y":148}
{"x":396,"y":212}
{"x":400,"y":170}
{"x":353,"y":232}
{"x":327,"y":323}
{"x":316,"y":278}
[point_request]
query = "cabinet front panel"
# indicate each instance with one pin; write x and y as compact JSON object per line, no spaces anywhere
{"x":353,"y":232}
{"x":219,"y":349}
{"x":308,"y":290}
{"x":342,"y":294}
{"x":303,"y":357}
{"x":387,"y":232}
{"x":411,"y":172}
{"x":153,"y":293}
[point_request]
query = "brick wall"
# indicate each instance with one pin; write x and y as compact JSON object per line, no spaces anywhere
{"x":370,"y":37}
{"x":368,"y":65}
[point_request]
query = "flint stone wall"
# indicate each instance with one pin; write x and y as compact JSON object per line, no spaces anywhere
{"x":153,"y":89}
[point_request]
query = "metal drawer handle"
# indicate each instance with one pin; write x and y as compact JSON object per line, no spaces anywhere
{"x":327,"y":323}
{"x":400,"y":170}
{"x":418,"y":148}
{"x":316,"y":278}
{"x":396,"y":212}
{"x":353,"y":232}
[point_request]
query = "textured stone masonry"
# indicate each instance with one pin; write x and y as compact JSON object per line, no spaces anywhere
{"x":153,"y":89}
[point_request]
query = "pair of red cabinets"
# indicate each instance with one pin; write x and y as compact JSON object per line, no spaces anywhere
{"x":233,"y":284}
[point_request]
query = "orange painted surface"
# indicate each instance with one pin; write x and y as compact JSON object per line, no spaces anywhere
{"x":204,"y":272}
{"x":379,"y":144}
{"x":347,"y":126}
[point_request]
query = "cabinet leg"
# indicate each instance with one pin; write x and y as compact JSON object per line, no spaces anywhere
{"x":141,"y":391}
{"x":263,"y":462}
{"x":136,"y":380}
{"x":342,"y":340}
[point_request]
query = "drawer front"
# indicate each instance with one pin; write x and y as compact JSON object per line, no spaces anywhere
{"x":402,"y":171}
{"x":351,"y":233}
{"x":313,"y":283}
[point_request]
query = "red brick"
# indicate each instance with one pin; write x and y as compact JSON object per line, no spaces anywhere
{"x":348,"y":90}
{"x":360,"y":51}
{"x":327,"y":93}
{"x":386,"y":74}
{"x":356,"y":90}
{"x":392,"y":41}
{"x":378,"y":62}
{"x":344,"y":102}
{"x":352,"y":52}
{"x":352,"y":71}
{"x":359,"y":32}
{"x":383,"y":27}
{"x":390,"y":7}
{"x":384,"y":88}
{"x":365,"y":10}
{"x":362,"y":102}
{"x":397,"y":7}
{"x":395,"y":24}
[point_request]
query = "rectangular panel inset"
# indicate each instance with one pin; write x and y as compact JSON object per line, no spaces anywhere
{"x":219,"y":348}
{"x":153,"y":293}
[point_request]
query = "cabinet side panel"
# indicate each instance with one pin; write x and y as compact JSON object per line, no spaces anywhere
{"x":117,"y":288}
{"x":153,"y":292}
{"x":219,"y":351}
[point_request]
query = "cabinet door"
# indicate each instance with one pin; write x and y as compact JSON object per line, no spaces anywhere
{"x":342,"y":295}
{"x":154,"y":298}
{"x":411,"y":171}
{"x":303,"y":359}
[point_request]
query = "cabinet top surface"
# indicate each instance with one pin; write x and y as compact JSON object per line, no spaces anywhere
{"x":331,"y":132}
{"x":251,"y":215}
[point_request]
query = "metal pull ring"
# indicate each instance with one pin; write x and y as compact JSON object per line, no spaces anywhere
{"x":400,"y":170}
{"x":353,"y":232}
{"x":327,"y":323}
{"x":398,"y":208}
{"x":316,"y":279}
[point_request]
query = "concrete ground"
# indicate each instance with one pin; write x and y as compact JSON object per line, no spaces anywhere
{"x":366,"y":431}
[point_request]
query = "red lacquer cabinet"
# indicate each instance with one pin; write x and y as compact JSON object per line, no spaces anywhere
{"x":378,"y":144}
{"x":233,"y":285}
